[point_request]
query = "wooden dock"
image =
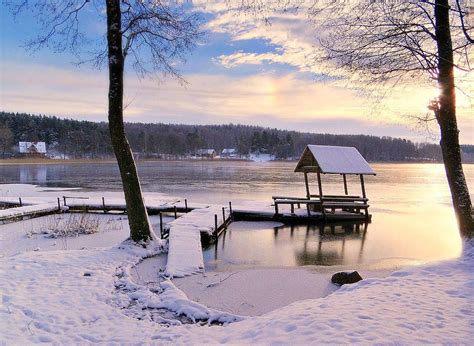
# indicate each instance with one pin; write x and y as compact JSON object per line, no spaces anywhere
{"x":15,"y":209}
{"x":18,"y":213}
{"x":193,"y":227}
{"x":104,"y":206}
{"x":187,"y":234}
{"x":299,"y":218}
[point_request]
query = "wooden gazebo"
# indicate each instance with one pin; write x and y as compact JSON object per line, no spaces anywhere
{"x":323,"y":159}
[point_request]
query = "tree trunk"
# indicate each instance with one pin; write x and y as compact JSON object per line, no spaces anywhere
{"x":446,"y":117}
{"x":140,"y":229}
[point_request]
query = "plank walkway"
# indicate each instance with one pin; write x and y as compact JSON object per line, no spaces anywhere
{"x":29,"y":211}
{"x":184,"y":246}
{"x":18,"y":209}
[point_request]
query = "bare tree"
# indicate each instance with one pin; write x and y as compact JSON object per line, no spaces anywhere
{"x":391,"y":41}
{"x":153,"y":33}
{"x":386,"y":43}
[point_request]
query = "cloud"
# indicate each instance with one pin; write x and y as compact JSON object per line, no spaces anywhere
{"x":293,"y":39}
{"x":39,"y":88}
{"x":284,"y":101}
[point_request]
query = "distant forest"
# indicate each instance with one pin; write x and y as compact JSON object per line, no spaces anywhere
{"x":86,"y":139}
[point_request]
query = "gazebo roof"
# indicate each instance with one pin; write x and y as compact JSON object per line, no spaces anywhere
{"x":333,"y":160}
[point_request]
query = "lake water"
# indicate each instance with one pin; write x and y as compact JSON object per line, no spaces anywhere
{"x":412,"y":219}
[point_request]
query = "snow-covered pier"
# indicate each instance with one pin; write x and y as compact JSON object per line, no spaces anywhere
{"x":106,"y":205}
{"x":30,"y":211}
{"x":15,"y":209}
{"x":185,"y":234}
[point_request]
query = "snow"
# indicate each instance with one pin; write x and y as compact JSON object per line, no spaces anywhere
{"x":334,"y":159}
{"x":47,"y":298}
{"x":88,"y":294}
{"x":257,"y":157}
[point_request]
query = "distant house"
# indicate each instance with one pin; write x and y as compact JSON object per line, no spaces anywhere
{"x":230,"y":153}
{"x":32,"y":148}
{"x":206,"y":153}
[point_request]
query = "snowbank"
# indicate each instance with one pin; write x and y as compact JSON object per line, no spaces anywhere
{"x":47,"y":298}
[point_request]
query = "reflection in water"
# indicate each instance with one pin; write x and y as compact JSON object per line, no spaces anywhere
{"x":33,"y":175}
{"x":330,"y":255}
{"x":322,"y":244}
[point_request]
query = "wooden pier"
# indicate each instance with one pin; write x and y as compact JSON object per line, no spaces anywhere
{"x":192,"y":228}
{"x":107,"y":207}
{"x":299,"y":218}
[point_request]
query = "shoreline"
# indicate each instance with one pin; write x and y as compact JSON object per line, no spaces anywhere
{"x":12,"y":162}
{"x":35,"y":161}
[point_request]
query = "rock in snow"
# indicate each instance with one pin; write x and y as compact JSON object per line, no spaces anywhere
{"x":344,"y":278}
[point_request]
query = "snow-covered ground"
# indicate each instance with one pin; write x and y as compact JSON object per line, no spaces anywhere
{"x":261,"y":157}
{"x":93,"y":290}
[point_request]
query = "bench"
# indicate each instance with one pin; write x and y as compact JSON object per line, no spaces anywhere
{"x":341,"y":198}
{"x":286,"y":198}
{"x":332,"y":202}
{"x":345,"y":200}
{"x":349,"y":206}
{"x":297,"y":201}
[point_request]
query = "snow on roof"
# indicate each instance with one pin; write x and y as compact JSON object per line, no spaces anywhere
{"x":333,"y":159}
{"x":205,"y":151}
{"x":32,"y":147}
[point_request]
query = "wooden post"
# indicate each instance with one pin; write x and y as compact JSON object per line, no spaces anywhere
{"x":223,"y":215}
{"x":186,"y":205}
{"x":230,"y":210}
{"x":64,"y":200}
{"x":59,"y":204}
{"x":320,"y":185}
{"x":345,"y":184}
{"x":103,"y":205}
{"x":161,"y":225}
{"x":362,"y":185}
{"x":175,"y":212}
{"x":215,"y":225}
{"x":308,"y":195}
{"x":21,"y":203}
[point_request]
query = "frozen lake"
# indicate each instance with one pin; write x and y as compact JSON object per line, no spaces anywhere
{"x":412,"y":218}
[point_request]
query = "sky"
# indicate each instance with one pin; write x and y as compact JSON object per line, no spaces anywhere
{"x":244,"y":70}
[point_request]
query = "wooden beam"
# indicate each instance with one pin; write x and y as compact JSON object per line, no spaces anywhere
{"x":308,"y":194}
{"x":362,"y":185}
{"x":345,"y":184}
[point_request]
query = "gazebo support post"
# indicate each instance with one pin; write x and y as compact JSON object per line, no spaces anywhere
{"x":362,"y":185}
{"x":320,"y":185}
{"x":345,"y":184}
{"x":308,"y":195}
